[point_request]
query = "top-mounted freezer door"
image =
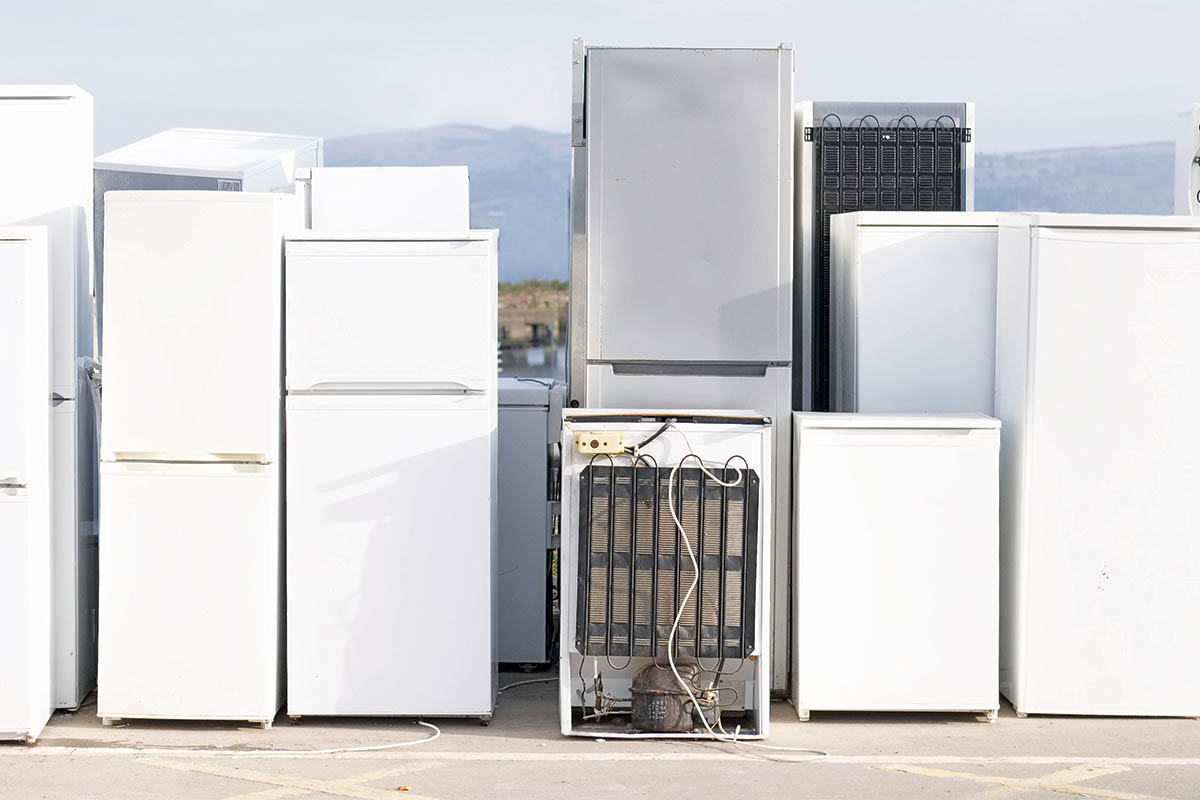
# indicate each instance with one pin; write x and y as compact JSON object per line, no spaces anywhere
{"x":192,"y":323}
{"x":391,"y":315}
{"x":689,"y":204}
{"x":24,"y":359}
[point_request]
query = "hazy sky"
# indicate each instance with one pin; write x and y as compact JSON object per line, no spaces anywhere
{"x":1057,"y":73}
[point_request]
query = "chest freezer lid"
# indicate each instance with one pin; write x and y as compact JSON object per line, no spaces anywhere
{"x":1101,"y":221}
{"x":924,"y":219}
{"x":473,"y":235}
{"x":739,"y":416}
{"x":819,"y":420}
{"x":207,"y":152}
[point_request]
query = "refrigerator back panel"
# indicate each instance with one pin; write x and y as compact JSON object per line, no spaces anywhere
{"x":689,"y":217}
{"x":192,"y":362}
{"x":637,"y":573}
{"x":869,"y":157}
{"x":423,"y":306}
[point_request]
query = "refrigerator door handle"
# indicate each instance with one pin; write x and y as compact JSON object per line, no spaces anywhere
{"x":57,"y":399}
{"x":389,"y":388}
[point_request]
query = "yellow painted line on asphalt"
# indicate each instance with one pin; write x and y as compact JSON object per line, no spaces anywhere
{"x":1064,"y":781}
{"x":337,"y":788}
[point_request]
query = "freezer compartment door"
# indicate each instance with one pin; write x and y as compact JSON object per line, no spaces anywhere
{"x":373,"y":312}
{"x":522,"y":483}
{"x":192,"y":323}
{"x":689,"y":204}
{"x":190,"y":559}
{"x":390,"y":543}
{"x":743,"y":387}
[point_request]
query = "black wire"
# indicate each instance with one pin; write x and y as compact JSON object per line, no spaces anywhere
{"x":547,"y":384}
{"x":665,"y":426}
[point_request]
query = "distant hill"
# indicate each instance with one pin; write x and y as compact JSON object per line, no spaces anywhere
{"x":520,"y":178}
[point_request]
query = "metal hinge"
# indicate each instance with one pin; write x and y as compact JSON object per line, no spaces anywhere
{"x":966,"y":134}
{"x":808,"y":134}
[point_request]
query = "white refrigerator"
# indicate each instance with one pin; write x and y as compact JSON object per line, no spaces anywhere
{"x":26,"y":671}
{"x":191,"y":541}
{"x":391,"y":474}
{"x":897,"y":565}
{"x":913,"y":298}
{"x":1097,"y":371}
{"x":46,"y":163}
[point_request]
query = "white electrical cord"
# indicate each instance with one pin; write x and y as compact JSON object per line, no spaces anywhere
{"x":723,"y":736}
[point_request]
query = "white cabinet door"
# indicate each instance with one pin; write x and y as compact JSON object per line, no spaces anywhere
{"x":193,"y":296}
{"x":390,"y":312}
{"x":390,"y":565}
{"x":190,"y":561}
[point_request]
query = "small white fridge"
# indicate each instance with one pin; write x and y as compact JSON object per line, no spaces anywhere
{"x":391,"y":474}
{"x":191,"y":557}
{"x":913,"y":311}
{"x":896,"y":584}
{"x":1097,"y":371}
{"x":26,"y":671}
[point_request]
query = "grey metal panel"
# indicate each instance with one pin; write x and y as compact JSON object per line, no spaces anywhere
{"x":688,"y":215}
{"x":521,"y":556}
{"x":114,"y":180}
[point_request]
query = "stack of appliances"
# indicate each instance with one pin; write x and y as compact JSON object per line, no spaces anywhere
{"x":864,"y":157}
{"x":46,"y":161}
{"x":666,"y":573}
{"x":199,"y":159}
{"x":26,"y":671}
{"x":913,"y":299}
{"x":1187,"y":163}
{"x":530,"y":434}
{"x":681,"y":243}
{"x":386,"y":198}
{"x":1097,"y":371}
{"x":391,"y":473}
{"x":191,"y":539}
{"x":897,"y":579}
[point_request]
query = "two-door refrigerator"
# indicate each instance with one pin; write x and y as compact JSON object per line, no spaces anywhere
{"x":46,"y":163}
{"x":681,"y":243}
{"x":190,"y":523}
{"x":1097,"y":374}
{"x":26,"y":671}
{"x":391,"y":474}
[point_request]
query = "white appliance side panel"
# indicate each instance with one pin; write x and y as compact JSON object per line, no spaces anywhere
{"x":1187,"y":169}
{"x":769,"y":394}
{"x":522,"y":557}
{"x":46,"y":160}
{"x":1114,"y":559}
{"x":192,"y":354}
{"x":897,"y":573}
{"x":390,"y":312}
{"x":923,"y":309}
{"x":389,"y":555}
{"x":689,"y":156}
{"x":391,"y":199}
{"x":189,"y":583}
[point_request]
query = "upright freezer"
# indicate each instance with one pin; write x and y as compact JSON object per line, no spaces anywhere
{"x":897,"y":570}
{"x":199,"y":159}
{"x":529,"y":434}
{"x":681,"y":241}
{"x":191,"y":538}
{"x":26,"y":546}
{"x":864,"y":156}
{"x":391,"y":474}
{"x":46,"y":163}
{"x":913,"y":312}
{"x":1097,"y":371}
{"x":1187,"y":162}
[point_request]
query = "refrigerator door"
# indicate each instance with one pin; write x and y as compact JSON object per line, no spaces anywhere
{"x":391,"y":315}
{"x":766,"y":390}
{"x":897,"y":568}
{"x":193,"y":300}
{"x":190,"y":560}
{"x":26,"y":672}
{"x":390,"y":567}
{"x":689,"y":204}
{"x":391,"y":199}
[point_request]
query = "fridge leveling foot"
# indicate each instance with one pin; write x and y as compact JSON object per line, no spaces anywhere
{"x":803,"y":712}
{"x":993,"y":715}
{"x":295,"y":718}
{"x":265,"y":724}
{"x":109,"y":721}
{"x":485,"y":720}
{"x":1022,"y":715}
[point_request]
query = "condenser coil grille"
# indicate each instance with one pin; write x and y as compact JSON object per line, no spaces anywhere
{"x":634,"y":569}
{"x":863,"y":166}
